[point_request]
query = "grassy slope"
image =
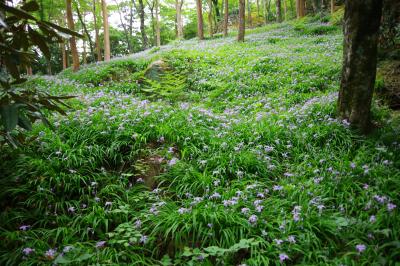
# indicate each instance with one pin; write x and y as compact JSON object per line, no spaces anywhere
{"x":249,"y":151}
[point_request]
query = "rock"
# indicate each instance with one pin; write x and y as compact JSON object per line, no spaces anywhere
{"x":155,"y":70}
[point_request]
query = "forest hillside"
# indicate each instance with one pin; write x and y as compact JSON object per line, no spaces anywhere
{"x":212,"y":152}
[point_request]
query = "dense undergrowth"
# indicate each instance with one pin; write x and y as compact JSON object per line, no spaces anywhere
{"x":232,"y":156}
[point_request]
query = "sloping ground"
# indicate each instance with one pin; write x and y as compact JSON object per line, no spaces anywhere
{"x":241,"y":162}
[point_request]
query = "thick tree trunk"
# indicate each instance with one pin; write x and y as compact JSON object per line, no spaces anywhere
{"x":96,"y":32}
{"x":107,"y":52}
{"x":71,"y":26}
{"x":278,"y":11}
{"x":210,"y":19}
{"x":179,"y":23}
{"x":300,"y":8}
{"x":242,"y":8}
{"x":361,"y":32}
{"x":249,"y":13}
{"x":226,"y":17}
{"x":158,"y":34}
{"x":142,"y":26}
{"x":199,"y":8}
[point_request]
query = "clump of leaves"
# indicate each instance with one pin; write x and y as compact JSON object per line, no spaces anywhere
{"x":20,"y":34}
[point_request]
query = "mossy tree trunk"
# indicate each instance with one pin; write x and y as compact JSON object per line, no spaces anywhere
{"x":361,"y":32}
{"x":278,"y":11}
{"x":226,"y":17}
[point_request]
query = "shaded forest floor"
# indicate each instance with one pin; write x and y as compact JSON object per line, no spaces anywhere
{"x":220,"y":153}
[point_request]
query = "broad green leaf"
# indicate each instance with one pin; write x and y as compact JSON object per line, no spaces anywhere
{"x":9,"y":116}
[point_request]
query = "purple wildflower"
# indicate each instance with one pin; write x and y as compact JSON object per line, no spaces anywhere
{"x":283,"y":257}
{"x":253,"y":219}
{"x":50,"y":253}
{"x":361,"y":248}
{"x":24,"y":227}
{"x":28,"y":251}
{"x":100,"y":244}
{"x":391,"y":206}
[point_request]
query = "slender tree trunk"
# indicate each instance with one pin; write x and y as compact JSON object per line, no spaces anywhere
{"x":249,"y":13}
{"x":84,"y":57}
{"x":158,"y":23}
{"x":278,"y":11}
{"x":210,"y":21}
{"x":258,"y":7}
{"x":107,"y":52}
{"x":82,"y":20}
{"x":153,"y":24}
{"x":332,"y":6}
{"x":226,"y":17}
{"x":64,"y":55}
{"x":126,"y":32}
{"x":96,"y":32}
{"x":71,"y":26}
{"x":361,"y":31}
{"x":142,"y":26}
{"x":179,"y":24}
{"x":285,"y":9}
{"x":29,"y":71}
{"x":199,"y":8}
{"x":242,"y":8}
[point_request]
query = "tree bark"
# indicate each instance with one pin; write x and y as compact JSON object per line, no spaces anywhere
{"x":332,"y":6}
{"x":199,"y":8}
{"x":179,"y":23}
{"x":72,"y":41}
{"x":361,"y":32}
{"x":278,"y":11}
{"x":96,"y":31}
{"x":226,"y":17}
{"x":300,"y":8}
{"x":242,"y":8}
{"x":285,"y":9}
{"x":142,"y":26}
{"x":84,"y":56}
{"x":107,"y":52}
{"x":210,"y":19}
{"x":249,"y":13}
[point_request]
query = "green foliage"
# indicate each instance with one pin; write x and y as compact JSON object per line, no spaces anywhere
{"x":20,"y":106}
{"x":233,"y":157}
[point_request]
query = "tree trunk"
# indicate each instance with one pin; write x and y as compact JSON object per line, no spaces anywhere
{"x":264,"y":6}
{"x":278,"y":11}
{"x":285,"y":9}
{"x":361,"y":32}
{"x":258,"y":7}
{"x":179,"y":24}
{"x":332,"y":6}
{"x":84,"y":57}
{"x":82,"y":20}
{"x":210,"y":21}
{"x":300,"y":8}
{"x":96,"y":31}
{"x":226,"y":17}
{"x":64,"y":55}
{"x":126,"y":31}
{"x":158,"y":34}
{"x":242,"y":8}
{"x":107,"y":52}
{"x":142,"y":26}
{"x":71,"y":26}
{"x":199,"y":8}
{"x":249,"y":13}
